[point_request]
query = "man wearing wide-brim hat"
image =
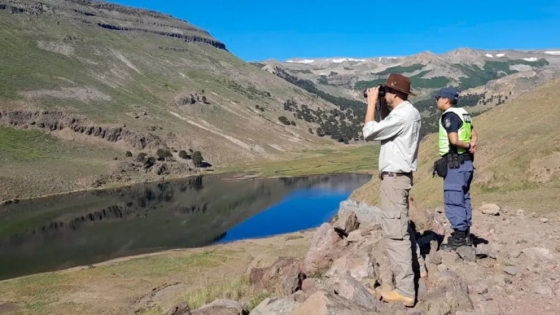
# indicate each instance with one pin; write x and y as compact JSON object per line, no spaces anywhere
{"x":399,"y":133}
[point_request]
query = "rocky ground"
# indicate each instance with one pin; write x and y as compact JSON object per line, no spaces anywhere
{"x":511,"y":269}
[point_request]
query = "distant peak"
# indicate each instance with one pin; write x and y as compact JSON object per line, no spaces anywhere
{"x":425,"y":53}
{"x":465,"y":49}
{"x":269,"y":60}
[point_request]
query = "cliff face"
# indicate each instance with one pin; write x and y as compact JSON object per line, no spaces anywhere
{"x":113,"y":17}
{"x":56,"y":121}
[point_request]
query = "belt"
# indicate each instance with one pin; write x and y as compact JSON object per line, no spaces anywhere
{"x":393,"y":174}
{"x":464,"y":156}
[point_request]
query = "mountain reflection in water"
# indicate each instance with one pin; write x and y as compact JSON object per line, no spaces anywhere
{"x":85,"y":228}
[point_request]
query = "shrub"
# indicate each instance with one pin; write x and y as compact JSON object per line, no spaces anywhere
{"x":141,"y":157}
{"x":162,"y":154}
{"x":197,"y":158}
{"x":183,"y":154}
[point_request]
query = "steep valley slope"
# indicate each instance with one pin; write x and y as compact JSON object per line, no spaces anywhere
{"x":87,"y":86}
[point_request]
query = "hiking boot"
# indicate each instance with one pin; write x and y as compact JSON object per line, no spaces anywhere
{"x":394,"y":296}
{"x":456,"y":240}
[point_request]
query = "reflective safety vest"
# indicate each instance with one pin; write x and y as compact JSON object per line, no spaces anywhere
{"x":464,"y":133}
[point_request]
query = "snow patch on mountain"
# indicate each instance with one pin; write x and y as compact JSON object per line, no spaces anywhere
{"x":306,"y":61}
{"x":339,"y":60}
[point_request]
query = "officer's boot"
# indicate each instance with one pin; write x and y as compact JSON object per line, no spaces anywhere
{"x":456,"y":240}
{"x":468,"y":238}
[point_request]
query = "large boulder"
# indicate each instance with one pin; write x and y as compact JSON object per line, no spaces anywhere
{"x":285,"y":276}
{"x":358,"y":262}
{"x":450,"y":295}
{"x":347,"y":222}
{"x":324,"y":249}
{"x":353,"y":290}
{"x":218,"y":307}
{"x":327,"y":303}
{"x":275,"y":306}
{"x":367,"y":215}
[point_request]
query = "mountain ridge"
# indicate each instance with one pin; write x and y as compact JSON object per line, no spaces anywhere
{"x":95,"y":13}
{"x":486,"y":78}
{"x":457,"y":51}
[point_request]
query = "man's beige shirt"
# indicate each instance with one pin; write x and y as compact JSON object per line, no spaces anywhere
{"x":399,"y":134}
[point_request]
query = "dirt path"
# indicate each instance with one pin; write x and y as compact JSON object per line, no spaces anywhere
{"x":523,"y":276}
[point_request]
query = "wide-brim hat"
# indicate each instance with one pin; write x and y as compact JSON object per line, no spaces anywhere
{"x":399,"y":83}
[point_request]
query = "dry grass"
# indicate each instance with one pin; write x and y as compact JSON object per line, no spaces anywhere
{"x":354,"y":159}
{"x":513,"y":137}
{"x":237,"y":289}
{"x":36,"y":163}
{"x":233,"y":289}
{"x":293,"y":237}
{"x":117,"y":286}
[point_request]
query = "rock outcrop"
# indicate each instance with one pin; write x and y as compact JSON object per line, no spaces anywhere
{"x":114,"y":17}
{"x":346,"y":266}
{"x":343,"y":271}
{"x":57,"y":120}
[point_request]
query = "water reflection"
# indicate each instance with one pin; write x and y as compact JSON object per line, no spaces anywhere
{"x":84,"y":228}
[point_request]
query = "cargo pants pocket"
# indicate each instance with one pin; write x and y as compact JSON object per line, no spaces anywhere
{"x":393,"y":225}
{"x":394,"y":205}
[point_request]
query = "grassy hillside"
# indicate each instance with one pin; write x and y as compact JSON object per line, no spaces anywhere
{"x":112,"y":78}
{"x":100,"y":80}
{"x":518,"y":162}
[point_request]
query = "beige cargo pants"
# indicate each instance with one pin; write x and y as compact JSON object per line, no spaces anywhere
{"x":398,"y":236}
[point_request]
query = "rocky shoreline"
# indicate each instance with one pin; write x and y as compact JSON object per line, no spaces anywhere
{"x":345,"y":266}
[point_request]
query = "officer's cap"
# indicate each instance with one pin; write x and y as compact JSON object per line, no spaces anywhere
{"x":448,"y":92}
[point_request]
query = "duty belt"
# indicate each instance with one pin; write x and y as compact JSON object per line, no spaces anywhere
{"x":456,"y":160}
{"x":461,"y":157}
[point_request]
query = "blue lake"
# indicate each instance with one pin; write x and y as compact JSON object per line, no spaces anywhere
{"x":86,"y":228}
{"x":300,"y":210}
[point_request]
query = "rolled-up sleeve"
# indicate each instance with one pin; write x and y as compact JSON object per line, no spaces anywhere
{"x":383,"y":130}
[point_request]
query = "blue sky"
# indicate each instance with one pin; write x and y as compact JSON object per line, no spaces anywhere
{"x":256,"y":29}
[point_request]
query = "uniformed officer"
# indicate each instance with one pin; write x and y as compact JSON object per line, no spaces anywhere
{"x":458,"y":143}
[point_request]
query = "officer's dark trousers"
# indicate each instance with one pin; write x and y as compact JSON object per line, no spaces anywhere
{"x":457,"y":197}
